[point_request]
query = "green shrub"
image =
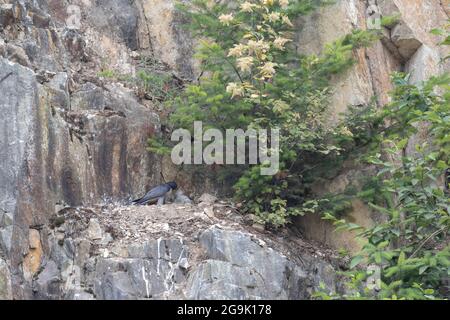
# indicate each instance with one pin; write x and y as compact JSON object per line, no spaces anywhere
{"x":411,"y":244}
{"x":152,"y":81}
{"x":254,"y":78}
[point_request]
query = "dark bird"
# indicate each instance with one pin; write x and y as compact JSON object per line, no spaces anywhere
{"x":157,"y":194}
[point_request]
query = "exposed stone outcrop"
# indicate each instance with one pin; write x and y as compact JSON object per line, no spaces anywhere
{"x":65,"y":140}
{"x":174,"y":252}
{"x":60,"y":147}
{"x":6,"y":14}
{"x":241,"y":267}
{"x":5,"y":281}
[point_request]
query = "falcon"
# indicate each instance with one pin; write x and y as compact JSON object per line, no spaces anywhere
{"x":157,"y":194}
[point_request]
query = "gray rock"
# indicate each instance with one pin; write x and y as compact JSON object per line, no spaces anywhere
{"x":6,"y":14}
{"x":152,"y":270}
{"x":184,"y":264}
{"x":405,"y":40}
{"x":123,"y":279}
{"x":5,"y":281}
{"x":248,"y":270}
{"x":119,"y":18}
{"x":207,"y":199}
{"x":388,"y":8}
{"x":181,"y":198}
{"x":50,"y":154}
{"x":94,"y":231}
{"x":217,"y":280}
{"x":41,"y":19}
{"x":75,"y":44}
{"x":17,"y":54}
{"x":19,"y":95}
{"x":6,"y":237}
{"x":83,"y":296}
{"x":19,"y":106}
{"x":116,"y":286}
{"x":48,"y":283}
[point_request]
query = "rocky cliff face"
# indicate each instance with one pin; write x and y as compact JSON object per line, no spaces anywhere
{"x":71,"y":140}
{"x":174,"y":252}
{"x":67,"y":139}
{"x":407,"y":46}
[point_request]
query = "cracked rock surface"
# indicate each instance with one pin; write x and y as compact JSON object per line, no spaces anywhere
{"x":174,"y":252}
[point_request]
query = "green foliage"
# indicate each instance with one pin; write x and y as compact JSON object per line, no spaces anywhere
{"x":152,"y":81}
{"x":411,"y":244}
{"x":444,"y":32}
{"x":109,"y":74}
{"x":390,"y":21}
{"x":155,"y":86}
{"x":254,"y":78}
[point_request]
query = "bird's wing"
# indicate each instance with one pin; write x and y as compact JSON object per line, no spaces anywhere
{"x":155,"y":193}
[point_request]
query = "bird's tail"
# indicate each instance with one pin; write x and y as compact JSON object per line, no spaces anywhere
{"x":136,"y":202}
